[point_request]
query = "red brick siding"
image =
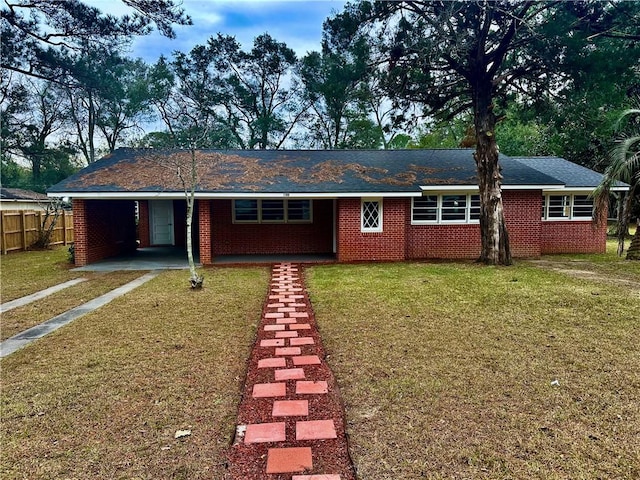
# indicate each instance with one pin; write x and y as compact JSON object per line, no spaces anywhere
{"x":144,"y":234}
{"x":255,"y":239}
{"x":573,"y":237}
{"x":455,"y":241}
{"x":355,"y":245}
{"x":204,"y":223}
{"x":523,"y":214}
{"x":106,"y":228}
{"x":443,"y":241}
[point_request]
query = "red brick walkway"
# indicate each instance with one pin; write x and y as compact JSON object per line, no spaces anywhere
{"x":291,"y":419}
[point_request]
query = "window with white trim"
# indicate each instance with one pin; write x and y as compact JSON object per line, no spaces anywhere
{"x":567,"y":207}
{"x":271,"y":211}
{"x":445,"y":208}
{"x":371,"y":215}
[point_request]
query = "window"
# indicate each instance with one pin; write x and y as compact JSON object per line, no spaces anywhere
{"x":582,"y":206}
{"x":474,"y":210}
{"x":246,"y":210}
{"x":558,"y":206}
{"x":425,"y":209}
{"x":272,"y":211}
{"x":445,"y":208}
{"x":299,"y":211}
{"x":371,"y":215}
{"x":567,"y":207}
{"x":454,"y":208}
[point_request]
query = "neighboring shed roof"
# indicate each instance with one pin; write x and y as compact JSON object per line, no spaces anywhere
{"x":22,"y":195}
{"x":291,"y":171}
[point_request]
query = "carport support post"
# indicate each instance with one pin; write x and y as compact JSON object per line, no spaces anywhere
{"x":80,"y":233}
{"x":204,"y":219}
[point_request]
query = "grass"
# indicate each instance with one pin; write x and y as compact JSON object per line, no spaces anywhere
{"x":22,"y":318}
{"x":104,"y":396}
{"x":450,"y":370}
{"x":24,"y":273}
{"x":609,"y":264}
{"x":446,"y":370}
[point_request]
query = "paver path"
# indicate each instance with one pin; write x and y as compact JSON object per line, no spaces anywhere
{"x":291,"y":419}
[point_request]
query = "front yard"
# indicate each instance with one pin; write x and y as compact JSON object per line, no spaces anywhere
{"x":104,"y":396}
{"x":447,"y":370}
{"x":463,"y":371}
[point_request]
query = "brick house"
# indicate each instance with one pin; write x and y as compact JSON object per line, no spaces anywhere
{"x":354,"y":205}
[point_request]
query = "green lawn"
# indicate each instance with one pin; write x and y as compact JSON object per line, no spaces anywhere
{"x":449,"y":370}
{"x":24,"y":273}
{"x":104,"y":396}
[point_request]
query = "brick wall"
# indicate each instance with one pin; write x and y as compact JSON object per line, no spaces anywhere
{"x":443,"y":241}
{"x":355,"y":245}
{"x":463,"y":241}
{"x":104,"y":228}
{"x":204,"y":225}
{"x":144,"y":234}
{"x":228,"y":238}
{"x":523,"y":214}
{"x":573,"y":237}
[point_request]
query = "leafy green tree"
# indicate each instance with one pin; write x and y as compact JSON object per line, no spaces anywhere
{"x":333,"y":81}
{"x":255,"y":93}
{"x":33,"y":114}
{"x":186,"y":108}
{"x":598,"y":77}
{"x":443,"y":134}
{"x":519,"y":136}
{"x":452,"y":57}
{"x":624,"y":167}
{"x":109,"y":97}
{"x":13,"y":174}
{"x":38,"y":34}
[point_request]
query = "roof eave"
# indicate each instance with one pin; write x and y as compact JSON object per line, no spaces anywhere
{"x":224,"y":195}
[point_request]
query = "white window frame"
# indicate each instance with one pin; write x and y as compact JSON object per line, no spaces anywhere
{"x":439,"y":220}
{"x":260,"y":220}
{"x":570,"y":207}
{"x":377,"y":229}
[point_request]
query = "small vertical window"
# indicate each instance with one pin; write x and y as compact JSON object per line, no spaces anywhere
{"x":474,"y":209}
{"x":371,"y":216}
{"x":582,"y":206}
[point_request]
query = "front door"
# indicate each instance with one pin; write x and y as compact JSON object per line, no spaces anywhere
{"x":161,"y":212}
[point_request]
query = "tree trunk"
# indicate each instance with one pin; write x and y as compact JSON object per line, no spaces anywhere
{"x":493,"y":229}
{"x":192,"y":263}
{"x":633,"y":253}
{"x":196,"y":280}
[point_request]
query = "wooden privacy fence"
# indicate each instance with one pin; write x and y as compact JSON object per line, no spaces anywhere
{"x":19,"y":229}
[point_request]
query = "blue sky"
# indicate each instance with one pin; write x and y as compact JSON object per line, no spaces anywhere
{"x":298,"y":23}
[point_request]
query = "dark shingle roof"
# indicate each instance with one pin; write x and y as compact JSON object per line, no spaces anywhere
{"x":571,"y":174}
{"x":21,"y":194}
{"x":296,"y":171}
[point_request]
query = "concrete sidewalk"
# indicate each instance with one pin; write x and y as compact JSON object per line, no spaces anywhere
{"x":24,"y":338}
{"x":20,"y":302}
